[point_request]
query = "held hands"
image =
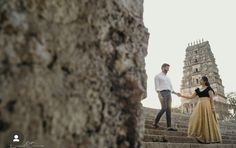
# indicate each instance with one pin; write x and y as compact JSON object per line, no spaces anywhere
{"x":178,"y":94}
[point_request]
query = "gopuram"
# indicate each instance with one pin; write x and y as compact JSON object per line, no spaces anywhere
{"x":199,"y":61}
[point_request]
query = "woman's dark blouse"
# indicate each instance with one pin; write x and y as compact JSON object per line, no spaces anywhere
{"x":203,"y":93}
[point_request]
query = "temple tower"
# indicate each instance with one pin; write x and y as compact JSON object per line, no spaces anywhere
{"x":199,"y":61}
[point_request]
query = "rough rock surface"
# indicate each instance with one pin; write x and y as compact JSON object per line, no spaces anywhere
{"x":72,"y":73}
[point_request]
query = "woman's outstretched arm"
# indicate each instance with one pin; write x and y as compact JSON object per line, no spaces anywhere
{"x":189,"y":97}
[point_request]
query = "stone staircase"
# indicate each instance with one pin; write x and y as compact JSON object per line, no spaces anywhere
{"x":161,"y":138}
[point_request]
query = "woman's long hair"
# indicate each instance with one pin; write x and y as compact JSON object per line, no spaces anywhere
{"x":205,"y":79}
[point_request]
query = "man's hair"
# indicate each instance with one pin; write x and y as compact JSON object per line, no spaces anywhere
{"x":164,"y":65}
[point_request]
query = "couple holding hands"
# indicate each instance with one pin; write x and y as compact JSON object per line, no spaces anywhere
{"x":202,"y":123}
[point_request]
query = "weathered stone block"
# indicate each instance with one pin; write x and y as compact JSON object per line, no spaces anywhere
{"x":72,"y":73}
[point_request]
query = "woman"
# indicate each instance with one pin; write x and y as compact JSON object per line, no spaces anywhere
{"x":202,"y":123}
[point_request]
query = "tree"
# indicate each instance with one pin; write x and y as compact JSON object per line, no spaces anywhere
{"x":231,"y":98}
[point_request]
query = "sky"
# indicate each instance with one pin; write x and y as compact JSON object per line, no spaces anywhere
{"x":173,"y":24}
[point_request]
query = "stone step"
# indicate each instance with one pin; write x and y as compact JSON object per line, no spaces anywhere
{"x":180,"y":133}
{"x":186,"y":119}
{"x":227,"y":127}
{"x":165,"y":138}
{"x":228,"y":137}
{"x":225,"y":135}
{"x":163,"y":123}
{"x":178,"y":118}
{"x":184,"y":125}
{"x":151,"y":111}
{"x":182,"y":117}
{"x":223,"y":125}
{"x":232,"y":132}
{"x":177,"y":139}
{"x":229,"y":141}
{"x":165,"y":132}
{"x":149,"y":126}
{"x":185,"y":145}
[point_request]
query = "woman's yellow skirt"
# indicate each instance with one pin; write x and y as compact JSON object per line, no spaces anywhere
{"x":203,"y":124}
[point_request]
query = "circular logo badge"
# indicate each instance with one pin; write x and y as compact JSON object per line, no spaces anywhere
{"x":16,"y":138}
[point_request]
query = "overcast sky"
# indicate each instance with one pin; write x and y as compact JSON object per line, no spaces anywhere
{"x":173,"y":24}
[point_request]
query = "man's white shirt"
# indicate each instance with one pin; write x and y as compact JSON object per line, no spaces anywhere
{"x":162,"y":82}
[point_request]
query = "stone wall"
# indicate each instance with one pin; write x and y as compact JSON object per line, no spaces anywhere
{"x":72,"y":73}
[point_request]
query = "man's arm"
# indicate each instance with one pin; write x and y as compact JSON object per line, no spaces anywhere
{"x":157,"y":84}
{"x":173,"y":92}
{"x":157,"y":87}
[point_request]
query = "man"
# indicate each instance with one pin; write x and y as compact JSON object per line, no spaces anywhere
{"x":164,"y":89}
